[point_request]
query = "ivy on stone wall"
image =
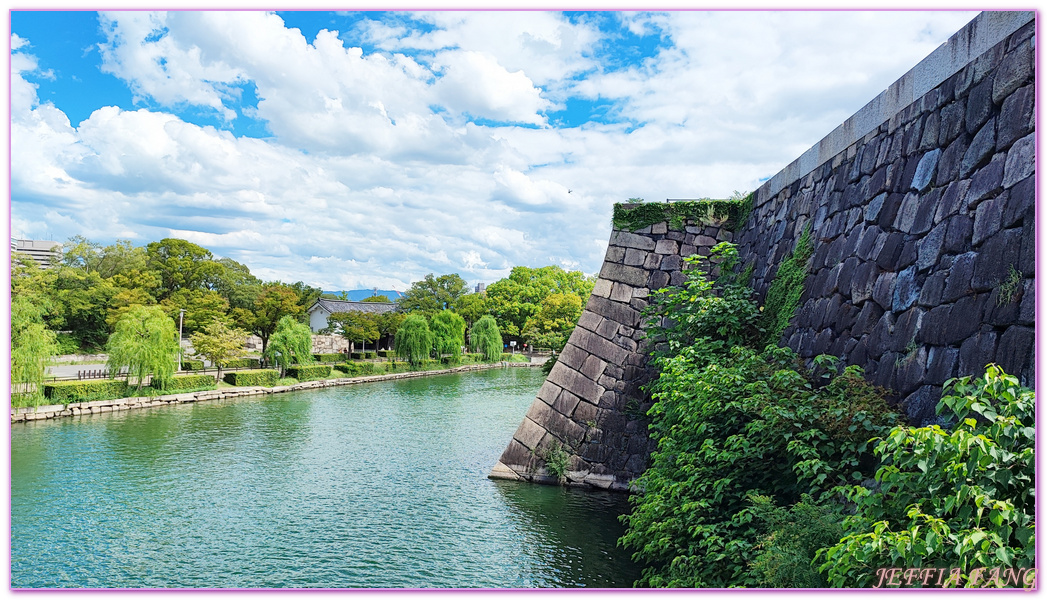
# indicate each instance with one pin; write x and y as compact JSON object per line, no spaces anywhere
{"x":783,"y":297}
{"x":631,"y":217}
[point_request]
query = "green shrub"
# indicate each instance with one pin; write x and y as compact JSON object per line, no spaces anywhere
{"x":356,"y":355}
{"x":959,"y":497}
{"x":67,"y":344}
{"x":243,"y":363}
{"x":66,"y":392}
{"x":308,"y":372}
{"x":386,"y":353}
{"x":510,"y":357}
{"x":795,"y":535}
{"x":451,"y":361}
{"x":414,"y":340}
{"x":189,"y":383}
{"x":370,"y":355}
{"x":190,"y":364}
{"x":260,"y":377}
{"x":330,"y":357}
{"x":748,"y":423}
{"x":360,"y":369}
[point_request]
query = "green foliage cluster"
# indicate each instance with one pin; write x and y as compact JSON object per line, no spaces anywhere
{"x":414,"y":340}
{"x":329,"y":357}
{"x":145,"y":341}
{"x":246,"y":362}
{"x":959,"y":497}
{"x":485,"y":338}
{"x":258,"y":377}
{"x":433,"y":294}
{"x":730,"y":423}
{"x":557,"y":460}
{"x":786,"y":554}
{"x":363,"y":355}
{"x":734,"y":211}
{"x":291,"y":343}
{"x":448,"y":330}
{"x":387,"y":353}
{"x":535,"y":301}
{"x":190,"y":383}
{"x":33,"y":346}
{"x":66,"y":392}
{"x":741,"y":429}
{"x":510,"y":357}
{"x":218,"y":343}
{"x":308,"y":372}
{"x":783,"y":297}
{"x":190,"y":364}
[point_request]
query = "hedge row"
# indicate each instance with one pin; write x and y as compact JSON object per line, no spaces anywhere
{"x":261,"y":377}
{"x":331,"y":357}
{"x":240,"y":363}
{"x":308,"y":372}
{"x":387,"y":353}
{"x":186,"y":383}
{"x":364,"y":355}
{"x":65,"y":392}
{"x":192,"y":364}
{"x":510,"y":357}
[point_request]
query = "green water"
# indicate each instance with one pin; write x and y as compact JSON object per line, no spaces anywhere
{"x":376,"y":485}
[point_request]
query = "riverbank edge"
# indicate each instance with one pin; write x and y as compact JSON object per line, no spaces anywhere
{"x":75,"y":409}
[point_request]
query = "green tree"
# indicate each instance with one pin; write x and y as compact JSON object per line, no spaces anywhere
{"x":236,"y":284}
{"x":517,"y":298}
{"x":219,"y":343}
{"x":432,"y":294}
{"x":949,"y":497}
{"x":556,"y":318}
{"x":414,"y":340}
{"x":485,"y":338}
{"x":291,"y":344}
{"x":84,"y":298}
{"x":356,"y":326}
{"x":377,"y":298}
{"x":448,"y":330}
{"x":274,"y":302}
{"x":471,"y":307}
{"x":201,"y":308}
{"x":32,"y":348}
{"x":81,"y":253}
{"x":181,"y":265}
{"x":145,"y":341}
{"x":389,"y":323}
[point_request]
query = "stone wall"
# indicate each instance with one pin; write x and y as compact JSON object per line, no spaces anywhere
{"x":922,"y":212}
{"x":591,"y":404}
{"x":322,"y":344}
{"x":924,"y":236}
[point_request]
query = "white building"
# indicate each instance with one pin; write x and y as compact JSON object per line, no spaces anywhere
{"x":324,"y":308}
{"x":45,"y":253}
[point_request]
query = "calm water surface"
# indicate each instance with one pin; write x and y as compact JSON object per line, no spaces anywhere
{"x":376,"y":485}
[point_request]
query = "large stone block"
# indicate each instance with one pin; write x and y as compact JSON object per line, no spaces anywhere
{"x":602,"y":348}
{"x":960,"y":273}
{"x":999,"y":253}
{"x":565,"y":403}
{"x":574,"y":382}
{"x":920,"y":405}
{"x":1016,"y":69}
{"x":572,"y":355}
{"x":931,"y":291}
{"x":634,"y":257}
{"x":616,"y":311}
{"x":633,"y":276}
{"x":976,"y":351}
{"x":1020,"y":202}
{"x":530,"y":433}
{"x":1015,"y":352}
{"x":979,"y":106}
{"x":1021,"y":161}
{"x":925,"y":170}
{"x":1016,"y":116}
{"x":987,"y":182}
{"x":952,"y":157}
{"x":631,"y":240}
{"x":981,"y":149}
{"x":952,"y":200}
{"x":941,"y":364}
{"x":864,"y":281}
{"x":952,"y":122}
{"x":987,"y":219}
{"x":883,"y":291}
{"x":667,"y":247}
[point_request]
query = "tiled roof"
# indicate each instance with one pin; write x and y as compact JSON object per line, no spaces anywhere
{"x":333,"y":306}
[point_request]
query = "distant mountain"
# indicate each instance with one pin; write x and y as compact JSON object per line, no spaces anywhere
{"x":358,"y":295}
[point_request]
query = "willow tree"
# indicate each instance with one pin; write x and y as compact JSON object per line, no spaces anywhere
{"x":414,"y":340}
{"x":485,"y":338}
{"x":448,"y":330}
{"x":145,"y":341}
{"x":33,"y":346}
{"x":290,"y":344}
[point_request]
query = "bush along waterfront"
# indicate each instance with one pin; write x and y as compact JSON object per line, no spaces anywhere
{"x":760,"y":459}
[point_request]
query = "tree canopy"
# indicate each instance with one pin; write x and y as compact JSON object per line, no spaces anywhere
{"x":145,"y":341}
{"x":414,"y":340}
{"x":433,"y":294}
{"x":290,"y":344}
{"x":448,"y":333}
{"x":219,"y":343}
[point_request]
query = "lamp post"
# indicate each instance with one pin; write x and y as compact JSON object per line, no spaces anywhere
{"x":181,"y":311}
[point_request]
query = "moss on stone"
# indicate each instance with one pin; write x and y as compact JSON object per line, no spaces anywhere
{"x":733,"y":213}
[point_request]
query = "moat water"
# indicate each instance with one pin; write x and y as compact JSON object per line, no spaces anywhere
{"x":375,"y":485}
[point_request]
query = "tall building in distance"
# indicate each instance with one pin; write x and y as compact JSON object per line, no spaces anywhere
{"x":45,"y":253}
{"x":481,"y":287}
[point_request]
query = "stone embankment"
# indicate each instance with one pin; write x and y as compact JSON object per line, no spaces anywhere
{"x":76,"y":409}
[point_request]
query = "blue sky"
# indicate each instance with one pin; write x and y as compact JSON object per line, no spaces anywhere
{"x":355,"y":150}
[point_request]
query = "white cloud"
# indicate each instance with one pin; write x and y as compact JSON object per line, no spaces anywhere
{"x":363,"y":183}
